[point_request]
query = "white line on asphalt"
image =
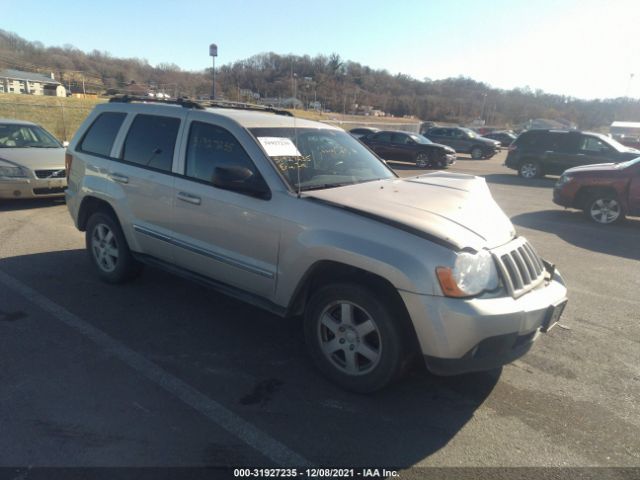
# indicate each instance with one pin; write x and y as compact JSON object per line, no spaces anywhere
{"x":245,"y":431}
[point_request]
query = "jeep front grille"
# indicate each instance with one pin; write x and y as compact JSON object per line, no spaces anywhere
{"x":520,"y":266}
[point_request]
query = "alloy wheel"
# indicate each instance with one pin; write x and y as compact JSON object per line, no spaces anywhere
{"x":349,"y":338}
{"x":104,"y":247}
{"x":605,"y":210}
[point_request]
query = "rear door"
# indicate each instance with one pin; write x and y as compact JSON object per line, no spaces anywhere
{"x":225,"y":235}
{"x":381,"y":144}
{"x":143,"y":170}
{"x":560,"y":152}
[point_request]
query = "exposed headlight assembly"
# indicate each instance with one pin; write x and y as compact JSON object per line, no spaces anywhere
{"x":471,"y":274}
{"x":12,"y":172}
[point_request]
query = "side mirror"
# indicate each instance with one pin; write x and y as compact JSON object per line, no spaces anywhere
{"x":241,"y":180}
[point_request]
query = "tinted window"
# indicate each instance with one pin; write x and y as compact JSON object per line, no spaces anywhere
{"x":383,"y":137}
{"x":151,"y":141}
{"x":401,"y":138}
{"x":438,"y":131}
{"x":101,"y":134}
{"x":210,"y":147}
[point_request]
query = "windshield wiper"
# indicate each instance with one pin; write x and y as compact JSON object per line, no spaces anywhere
{"x":324,"y":185}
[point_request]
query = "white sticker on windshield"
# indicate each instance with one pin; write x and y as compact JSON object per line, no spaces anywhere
{"x":279,"y":147}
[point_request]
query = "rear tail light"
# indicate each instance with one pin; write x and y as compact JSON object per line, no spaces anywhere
{"x":68,"y":159}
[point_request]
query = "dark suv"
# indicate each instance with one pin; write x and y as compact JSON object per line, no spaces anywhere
{"x":536,"y":153}
{"x":410,"y":147}
{"x":464,"y":140}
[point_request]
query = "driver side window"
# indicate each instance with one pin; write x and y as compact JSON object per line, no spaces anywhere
{"x":593,"y":145}
{"x":210,"y":146}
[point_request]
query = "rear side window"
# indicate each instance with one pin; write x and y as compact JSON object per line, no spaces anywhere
{"x":101,"y":134}
{"x":383,"y":137}
{"x":151,"y":141}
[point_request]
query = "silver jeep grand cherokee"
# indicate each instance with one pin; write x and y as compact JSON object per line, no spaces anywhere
{"x":300,"y":218}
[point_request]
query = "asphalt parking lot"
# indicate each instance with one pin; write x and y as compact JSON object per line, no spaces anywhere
{"x":162,"y":372}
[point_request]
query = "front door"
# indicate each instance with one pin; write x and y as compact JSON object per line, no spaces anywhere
{"x":227,"y":236}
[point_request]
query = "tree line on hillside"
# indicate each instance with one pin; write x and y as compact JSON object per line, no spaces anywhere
{"x":337,"y":84}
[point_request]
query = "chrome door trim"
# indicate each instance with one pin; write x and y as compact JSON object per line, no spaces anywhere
{"x":204,"y":252}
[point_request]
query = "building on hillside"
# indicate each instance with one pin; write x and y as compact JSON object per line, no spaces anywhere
{"x":29,"y":83}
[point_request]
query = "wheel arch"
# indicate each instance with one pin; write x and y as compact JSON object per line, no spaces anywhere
{"x":90,"y":205}
{"x":325,"y":272}
{"x":587,"y":192}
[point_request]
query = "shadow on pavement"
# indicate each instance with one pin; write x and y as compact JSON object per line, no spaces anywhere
{"x":7,"y":205}
{"x":514,"y":179}
{"x":256,"y":365}
{"x":573,"y":227}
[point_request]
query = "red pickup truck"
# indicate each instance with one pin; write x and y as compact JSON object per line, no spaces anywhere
{"x":606,"y":192}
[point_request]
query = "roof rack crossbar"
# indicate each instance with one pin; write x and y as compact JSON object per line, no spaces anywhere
{"x":199,"y":104}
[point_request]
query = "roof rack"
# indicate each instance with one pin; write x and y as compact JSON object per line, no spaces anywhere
{"x":199,"y":104}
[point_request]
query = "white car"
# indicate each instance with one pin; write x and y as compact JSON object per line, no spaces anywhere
{"x":31,"y":161}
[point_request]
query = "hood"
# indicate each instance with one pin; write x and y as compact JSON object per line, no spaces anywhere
{"x":33,"y":158}
{"x":455,"y":208}
{"x":487,"y":141}
{"x":595,"y":167}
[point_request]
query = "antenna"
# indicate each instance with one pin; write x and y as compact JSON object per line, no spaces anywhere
{"x":295,"y":136}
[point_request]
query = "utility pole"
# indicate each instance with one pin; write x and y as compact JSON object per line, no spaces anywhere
{"x":213,"y":52}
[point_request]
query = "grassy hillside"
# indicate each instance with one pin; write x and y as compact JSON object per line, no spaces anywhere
{"x":61,"y":116}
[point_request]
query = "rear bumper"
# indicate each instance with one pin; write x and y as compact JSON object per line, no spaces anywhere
{"x":466,"y":335}
{"x":32,"y":187}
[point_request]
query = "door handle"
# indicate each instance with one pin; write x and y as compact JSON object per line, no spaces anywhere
{"x":189,"y":198}
{"x":118,"y":177}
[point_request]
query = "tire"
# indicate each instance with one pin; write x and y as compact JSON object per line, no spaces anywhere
{"x":477,"y":153}
{"x":108,"y":250}
{"x":354,"y":338}
{"x":604,"y":208}
{"x":422,"y":160}
{"x":530,"y":169}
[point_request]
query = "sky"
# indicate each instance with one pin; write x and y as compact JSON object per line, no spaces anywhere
{"x":579,"y":48}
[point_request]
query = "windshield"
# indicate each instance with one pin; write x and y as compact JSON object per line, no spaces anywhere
{"x":26,"y":136}
{"x":470,"y":132}
{"x":628,"y":163}
{"x":420,"y":139}
{"x":311,"y":159}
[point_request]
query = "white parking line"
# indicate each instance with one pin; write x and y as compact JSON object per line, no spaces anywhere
{"x":245,"y":431}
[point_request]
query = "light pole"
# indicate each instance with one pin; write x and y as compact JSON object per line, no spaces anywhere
{"x":213,"y":52}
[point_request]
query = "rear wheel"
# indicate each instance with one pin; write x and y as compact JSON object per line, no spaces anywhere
{"x":604,"y":208}
{"x":530,"y":169}
{"x":354,"y":338}
{"x":108,"y":249}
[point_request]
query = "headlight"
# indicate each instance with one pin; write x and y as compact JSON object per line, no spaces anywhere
{"x":563,"y":179}
{"x":12,"y":172}
{"x":471,"y":274}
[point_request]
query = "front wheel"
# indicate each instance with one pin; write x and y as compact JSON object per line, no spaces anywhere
{"x":604,"y":209}
{"x":477,"y":153}
{"x":422,"y":160}
{"x":353,"y":337}
{"x":530,"y":169}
